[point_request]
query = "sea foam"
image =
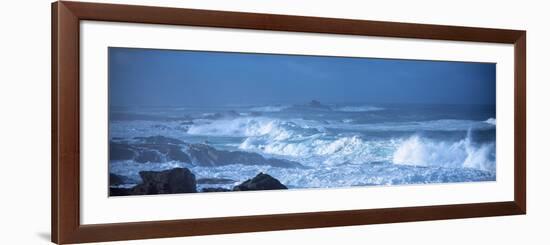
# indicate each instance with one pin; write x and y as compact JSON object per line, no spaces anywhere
{"x":358,"y":108}
{"x":431,"y":125}
{"x":241,"y":127}
{"x":269,"y":108}
{"x":491,"y":121}
{"x":318,"y":149}
{"x":340,"y":149}
{"x":420,"y":151}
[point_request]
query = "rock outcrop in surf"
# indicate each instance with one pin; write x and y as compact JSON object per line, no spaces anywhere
{"x":157,"y":149}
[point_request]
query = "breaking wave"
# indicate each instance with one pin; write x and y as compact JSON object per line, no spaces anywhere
{"x":419,"y":151}
{"x":309,"y":143}
{"x":277,"y":129}
{"x":341,"y":145}
{"x":318,"y":150}
{"x":243,"y":127}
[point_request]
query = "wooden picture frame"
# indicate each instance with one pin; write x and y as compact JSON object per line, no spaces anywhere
{"x":65,"y":175}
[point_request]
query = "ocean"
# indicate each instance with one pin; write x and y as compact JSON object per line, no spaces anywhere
{"x":336,"y":145}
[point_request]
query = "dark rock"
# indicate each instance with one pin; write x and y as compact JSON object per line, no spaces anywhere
{"x":148,"y":149}
{"x":205,"y":155}
{"x":317,"y":105}
{"x":113,"y":191}
{"x":159,"y":140}
{"x":167,"y":152}
{"x":119,"y":151}
{"x":148,"y":156}
{"x":155,"y":149}
{"x":169,"y":147}
{"x":115,"y":179}
{"x":215,"y":181}
{"x":260,"y":182}
{"x":314,"y":103}
{"x":176,"y":154}
{"x":177,"y":180}
{"x":215,"y":189}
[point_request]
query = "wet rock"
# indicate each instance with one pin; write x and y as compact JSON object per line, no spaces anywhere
{"x":120,"y":151}
{"x":260,"y":182}
{"x":312,"y":105}
{"x":215,"y":189}
{"x":166,"y":148}
{"x":176,"y":154}
{"x":158,"y":140}
{"x":114,"y":191}
{"x":148,"y":156}
{"x":205,"y":155}
{"x":176,"y":180}
{"x":317,"y":105}
{"x":148,"y":150}
{"x":215,"y":181}
{"x":115,"y":179}
{"x":161,"y":149}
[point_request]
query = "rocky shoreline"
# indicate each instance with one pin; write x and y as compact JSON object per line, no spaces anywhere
{"x":160,"y":149}
{"x":156,"y":149}
{"x":182,"y":180}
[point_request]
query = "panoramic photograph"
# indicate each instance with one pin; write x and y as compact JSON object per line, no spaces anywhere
{"x":203,"y":121}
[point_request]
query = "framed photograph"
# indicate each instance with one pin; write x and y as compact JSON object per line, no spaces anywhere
{"x":178,"y":122}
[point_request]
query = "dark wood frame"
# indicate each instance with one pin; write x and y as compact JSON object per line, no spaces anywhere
{"x":66,"y":227}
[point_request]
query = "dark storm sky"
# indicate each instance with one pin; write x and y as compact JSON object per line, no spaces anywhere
{"x":146,"y":77}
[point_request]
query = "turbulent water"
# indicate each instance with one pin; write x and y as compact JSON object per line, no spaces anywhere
{"x":341,"y":145}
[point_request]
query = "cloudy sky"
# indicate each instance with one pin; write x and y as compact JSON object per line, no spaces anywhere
{"x":147,"y":77}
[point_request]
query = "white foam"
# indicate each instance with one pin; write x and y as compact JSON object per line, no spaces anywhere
{"x":364,"y":108}
{"x":419,"y":151}
{"x":269,"y":108}
{"x":317,"y":149}
{"x":439,"y":125}
{"x":491,"y":121}
{"x":242,"y":127}
{"x":347,"y":120}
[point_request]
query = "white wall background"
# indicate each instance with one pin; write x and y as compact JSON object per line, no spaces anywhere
{"x":25,"y":121}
